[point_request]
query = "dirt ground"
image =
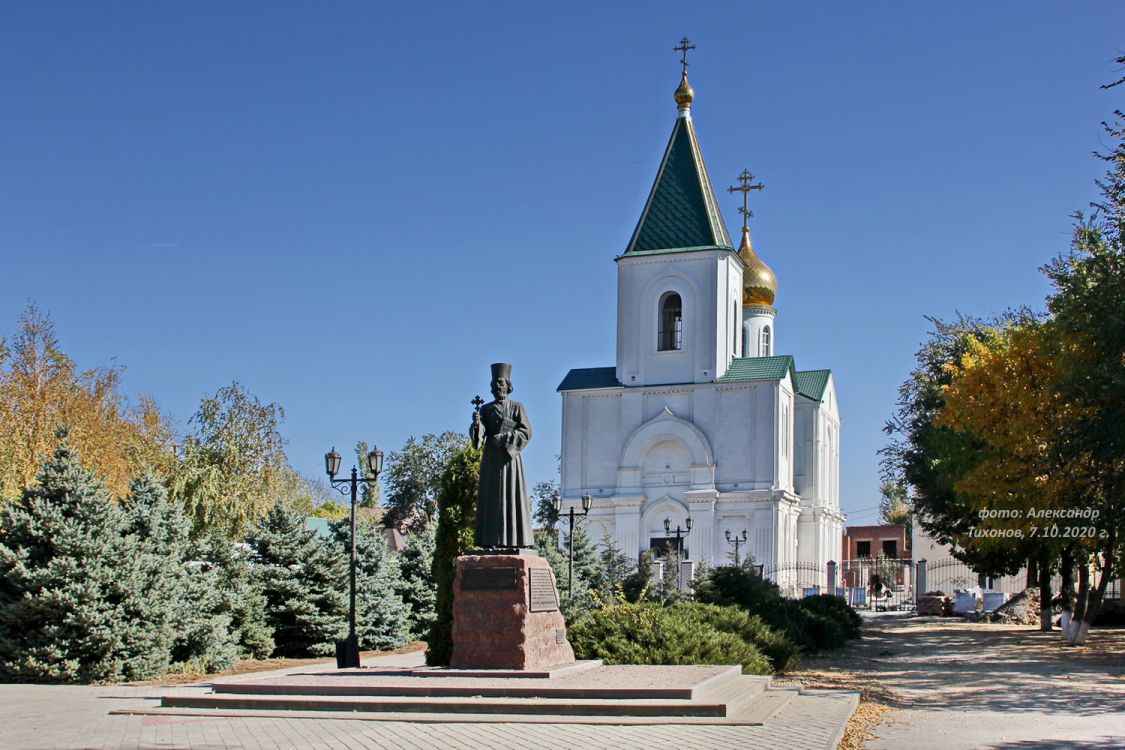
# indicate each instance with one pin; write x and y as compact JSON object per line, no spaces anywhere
{"x":941,"y":682}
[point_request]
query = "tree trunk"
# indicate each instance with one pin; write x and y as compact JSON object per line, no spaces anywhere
{"x":1097,"y":595}
{"x":1044,"y":574}
{"x":1032,"y":573}
{"x":1066,"y":591}
{"x":1076,"y":633}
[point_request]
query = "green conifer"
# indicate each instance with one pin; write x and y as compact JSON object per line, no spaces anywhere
{"x":416,"y":586}
{"x":382,"y":619}
{"x":457,"y":514}
{"x":184,"y":603}
{"x":305,"y":582}
{"x":71,"y":594}
{"x":238,"y":589}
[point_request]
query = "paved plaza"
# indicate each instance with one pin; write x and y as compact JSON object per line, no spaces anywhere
{"x":70,"y":716}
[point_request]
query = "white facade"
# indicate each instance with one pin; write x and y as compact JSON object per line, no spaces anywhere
{"x":698,"y":417}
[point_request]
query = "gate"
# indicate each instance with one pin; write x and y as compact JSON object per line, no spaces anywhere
{"x":877,"y":582}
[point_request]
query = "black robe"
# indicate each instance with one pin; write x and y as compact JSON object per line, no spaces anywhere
{"x":503,"y":506}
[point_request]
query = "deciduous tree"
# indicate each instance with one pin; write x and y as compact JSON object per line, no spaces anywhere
{"x":42,"y":390}
{"x":413,"y":477}
{"x":234,"y":465}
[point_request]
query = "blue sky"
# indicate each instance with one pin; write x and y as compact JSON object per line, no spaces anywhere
{"x":340,"y":204}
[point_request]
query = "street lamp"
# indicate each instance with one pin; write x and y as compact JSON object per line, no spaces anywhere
{"x":679,"y":534}
{"x":736,"y":540}
{"x":347,"y":651}
{"x":587,"y":502}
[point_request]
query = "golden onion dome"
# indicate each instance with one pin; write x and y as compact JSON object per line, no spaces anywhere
{"x":685,"y":94}
{"x":759,"y":284}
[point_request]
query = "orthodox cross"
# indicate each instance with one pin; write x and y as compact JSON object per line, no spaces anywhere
{"x":685,"y":45}
{"x":477,"y":402}
{"x":745,"y":189}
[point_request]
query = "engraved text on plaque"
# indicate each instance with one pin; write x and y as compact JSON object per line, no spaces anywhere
{"x":543,"y":597}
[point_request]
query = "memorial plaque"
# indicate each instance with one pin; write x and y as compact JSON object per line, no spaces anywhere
{"x":489,"y":579}
{"x":542,"y":598}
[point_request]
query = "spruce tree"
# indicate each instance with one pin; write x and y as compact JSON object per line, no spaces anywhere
{"x":305,"y":582}
{"x":416,"y":585}
{"x":184,"y":604}
{"x":227,"y":566}
{"x":382,"y":619}
{"x":70,"y":592}
{"x":616,"y":567}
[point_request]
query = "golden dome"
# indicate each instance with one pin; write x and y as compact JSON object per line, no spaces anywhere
{"x":759,"y":285}
{"x":685,"y":94}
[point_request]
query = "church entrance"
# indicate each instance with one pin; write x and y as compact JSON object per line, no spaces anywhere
{"x":663,"y":547}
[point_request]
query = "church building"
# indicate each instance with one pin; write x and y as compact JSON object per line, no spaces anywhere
{"x":701,"y":418}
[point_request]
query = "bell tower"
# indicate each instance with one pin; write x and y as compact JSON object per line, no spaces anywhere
{"x":679,"y":281}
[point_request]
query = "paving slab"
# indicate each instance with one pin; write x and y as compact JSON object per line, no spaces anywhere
{"x":68,"y":717}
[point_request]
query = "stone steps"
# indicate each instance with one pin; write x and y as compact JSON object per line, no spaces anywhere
{"x":340,"y":685}
{"x":721,"y":701}
{"x":771,"y":707}
{"x":591,"y":695}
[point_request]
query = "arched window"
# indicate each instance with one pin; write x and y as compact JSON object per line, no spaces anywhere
{"x":671,"y":336}
{"x":734,"y":330}
{"x":765,"y":351}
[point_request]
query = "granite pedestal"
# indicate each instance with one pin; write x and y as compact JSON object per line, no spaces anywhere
{"x":506,"y":614}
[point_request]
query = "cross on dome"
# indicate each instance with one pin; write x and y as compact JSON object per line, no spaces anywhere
{"x":745,"y":189}
{"x":685,"y":45}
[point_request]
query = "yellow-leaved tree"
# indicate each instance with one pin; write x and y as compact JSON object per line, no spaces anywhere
{"x":1004,"y":394}
{"x":42,"y":390}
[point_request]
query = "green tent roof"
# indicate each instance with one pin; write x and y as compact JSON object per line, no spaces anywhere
{"x":583,"y":378}
{"x":758,"y":368}
{"x":811,"y":383}
{"x":681,"y":212}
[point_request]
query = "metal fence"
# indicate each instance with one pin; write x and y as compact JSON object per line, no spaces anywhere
{"x":892,"y":583}
{"x":877,"y":582}
{"x":798,"y":579}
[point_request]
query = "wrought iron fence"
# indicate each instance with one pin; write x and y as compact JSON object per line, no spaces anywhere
{"x":948,"y":575}
{"x":877,"y":582}
{"x":798,"y":579}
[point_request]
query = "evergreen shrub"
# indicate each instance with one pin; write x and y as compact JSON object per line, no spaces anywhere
{"x":820,"y":624}
{"x":648,"y":633}
{"x":835,"y":609}
{"x":782,"y":653}
{"x":457,"y":515}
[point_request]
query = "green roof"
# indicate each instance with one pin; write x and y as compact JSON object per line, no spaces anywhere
{"x":583,"y":378}
{"x":319,"y":525}
{"x":681,"y":212}
{"x":811,"y":383}
{"x":758,"y":368}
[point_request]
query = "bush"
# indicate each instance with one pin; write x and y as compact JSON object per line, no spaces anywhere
{"x":647,"y":633}
{"x":782,"y":653}
{"x":820,"y":622}
{"x":835,"y":608}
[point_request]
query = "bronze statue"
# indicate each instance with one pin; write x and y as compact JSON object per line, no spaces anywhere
{"x":502,"y":429}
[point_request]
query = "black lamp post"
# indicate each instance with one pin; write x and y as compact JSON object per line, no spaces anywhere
{"x":587,"y":502}
{"x":678,"y":534}
{"x":347,"y":651}
{"x":736,"y":540}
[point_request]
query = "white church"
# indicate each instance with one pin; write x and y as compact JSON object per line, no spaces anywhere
{"x":700,"y":418}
